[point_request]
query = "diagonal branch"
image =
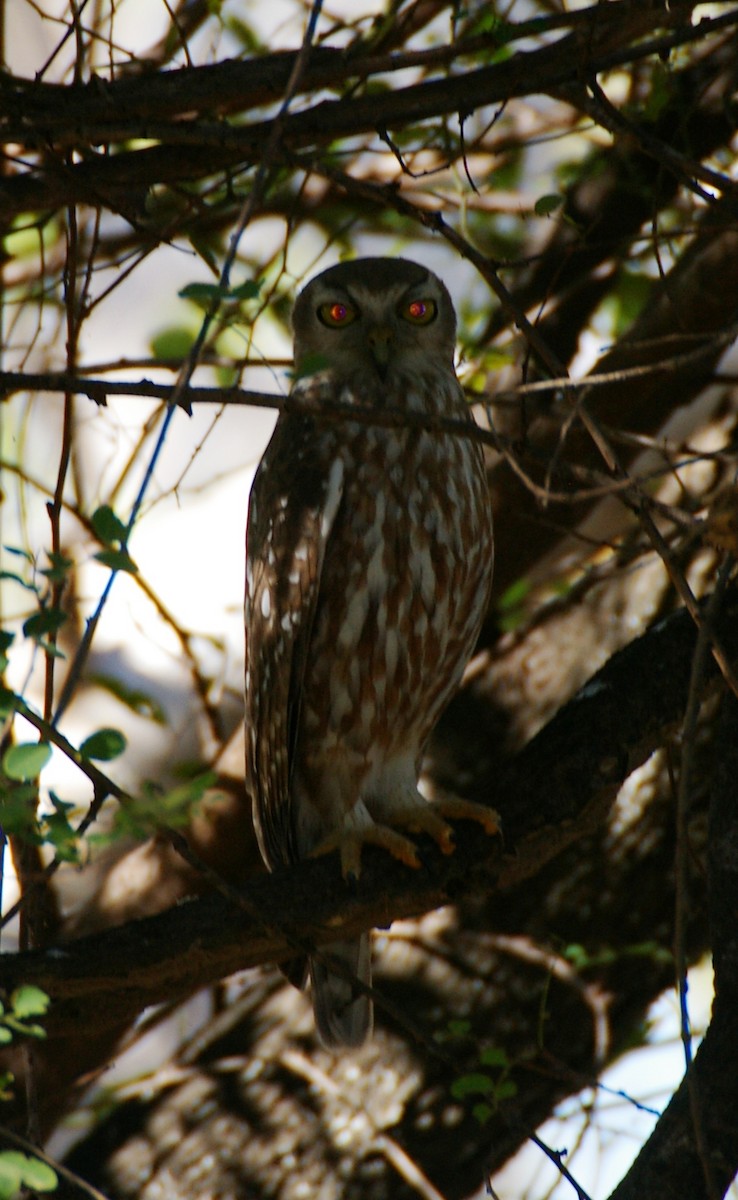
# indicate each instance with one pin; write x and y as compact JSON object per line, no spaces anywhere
{"x":675,"y":1161}
{"x":557,"y":790}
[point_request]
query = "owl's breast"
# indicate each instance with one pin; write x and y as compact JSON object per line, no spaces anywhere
{"x":404,"y":588}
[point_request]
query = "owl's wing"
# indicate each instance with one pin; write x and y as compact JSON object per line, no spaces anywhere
{"x":294,"y":500}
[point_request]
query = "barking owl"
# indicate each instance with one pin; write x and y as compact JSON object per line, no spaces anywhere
{"x":369,"y":569}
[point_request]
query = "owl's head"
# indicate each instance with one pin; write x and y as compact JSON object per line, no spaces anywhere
{"x":375,"y":316}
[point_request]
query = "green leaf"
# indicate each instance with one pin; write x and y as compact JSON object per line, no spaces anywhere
{"x":482,"y":1112}
{"x":29,"y":1001}
{"x":505,"y":1090}
{"x":11,"y":1174}
{"x":18,"y":1170}
{"x":134,"y":699}
{"x":546,"y":205}
{"x":103,"y":745}
{"x":576,"y":954}
{"x":494,"y":1056}
{"x":459,"y":1028}
{"x":246,"y":291}
{"x":19,"y":552}
{"x":8,"y":698}
{"x":202,"y":294}
{"x":117,"y":560}
{"x":26,"y":760}
{"x":60,"y":566}
{"x":47,"y":621}
{"x":57,"y":830}
{"x":107,"y":526}
{"x":155,"y":807}
{"x":227,"y":377}
{"x":475,"y":1083}
{"x":13,"y":577}
{"x":6,"y":640}
{"x":172,"y":343}
{"x":40,"y":1176}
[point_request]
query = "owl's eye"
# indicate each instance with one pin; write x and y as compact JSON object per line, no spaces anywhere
{"x":419,"y":312}
{"x":337,"y":315}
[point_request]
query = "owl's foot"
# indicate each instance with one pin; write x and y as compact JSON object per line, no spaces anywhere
{"x":359,"y":829}
{"x":454,"y":808}
{"x":423,"y":816}
{"x":413,"y":813}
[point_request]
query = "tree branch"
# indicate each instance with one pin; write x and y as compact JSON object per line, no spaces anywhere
{"x":557,"y":790}
{"x":670,"y":1163}
{"x":217,"y":145}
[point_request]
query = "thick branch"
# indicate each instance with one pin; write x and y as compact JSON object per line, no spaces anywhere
{"x":213,"y":146}
{"x":557,"y":790}
{"x":676,"y":1161}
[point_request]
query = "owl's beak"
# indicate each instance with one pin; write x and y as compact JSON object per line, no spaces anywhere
{"x":380,"y":339}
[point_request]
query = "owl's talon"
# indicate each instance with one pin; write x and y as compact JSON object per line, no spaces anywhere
{"x":457,"y":809}
{"x":359,"y":830}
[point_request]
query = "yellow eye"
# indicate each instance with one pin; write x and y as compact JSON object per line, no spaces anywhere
{"x":337,"y":315}
{"x":419,"y":312}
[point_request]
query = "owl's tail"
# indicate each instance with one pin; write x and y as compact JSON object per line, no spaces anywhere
{"x":343,"y":1017}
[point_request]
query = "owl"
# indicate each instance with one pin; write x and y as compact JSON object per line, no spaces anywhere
{"x":369,"y":568}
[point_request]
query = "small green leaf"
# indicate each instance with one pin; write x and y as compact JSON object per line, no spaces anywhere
{"x":26,"y":760}
{"x":246,"y":291}
{"x":472,"y":1084}
{"x":19,"y":552}
{"x":13,"y":577}
{"x":576,"y":954}
{"x":515,"y":594}
{"x":493,"y":1056}
{"x":59,"y":833}
{"x":172,"y":343}
{"x":59,"y":569}
{"x":40,"y":1176}
{"x":47,"y":621}
{"x":117,"y":560}
{"x":202,"y":294}
{"x":107,"y":526}
{"x":29,"y":1001}
{"x":6,"y":639}
{"x":459,"y":1028}
{"x":482,"y":1112}
{"x":11,"y":1174}
{"x":103,"y":745}
{"x":138,"y":701}
{"x":18,"y":1170}
{"x":7,"y":700}
{"x":546,"y":205}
